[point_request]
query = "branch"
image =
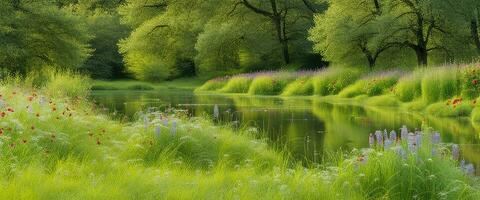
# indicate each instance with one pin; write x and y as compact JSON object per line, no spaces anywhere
{"x":156,"y":27}
{"x":309,"y":5}
{"x":255,"y":9}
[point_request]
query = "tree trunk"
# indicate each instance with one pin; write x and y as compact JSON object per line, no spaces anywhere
{"x":422,"y":56}
{"x":475,"y":36}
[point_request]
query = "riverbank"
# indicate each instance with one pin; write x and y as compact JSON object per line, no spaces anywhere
{"x":449,"y":91}
{"x":57,"y":145}
{"x":182,"y":83}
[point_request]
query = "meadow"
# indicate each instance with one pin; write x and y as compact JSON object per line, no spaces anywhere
{"x":56,"y":144}
{"x":448,"y":91}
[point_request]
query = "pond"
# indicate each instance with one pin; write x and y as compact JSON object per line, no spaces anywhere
{"x":305,"y":127}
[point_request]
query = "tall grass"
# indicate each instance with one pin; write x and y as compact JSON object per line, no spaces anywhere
{"x":303,"y":86}
{"x":440,"y":84}
{"x":332,"y":81}
{"x":269,"y":84}
{"x":213,"y":85}
{"x":238,"y":84}
{"x":409,"y":87}
{"x":372,"y":85}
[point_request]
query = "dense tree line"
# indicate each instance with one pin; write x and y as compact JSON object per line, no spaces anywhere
{"x":163,"y":39}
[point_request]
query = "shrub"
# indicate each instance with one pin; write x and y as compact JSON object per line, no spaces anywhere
{"x":68,"y":84}
{"x":333,"y":81}
{"x":372,"y":86}
{"x":409,"y":87}
{"x":300,"y":87}
{"x":268,"y":85}
{"x":470,"y":82}
{"x":440,"y":84}
{"x":213,"y":85}
{"x":384,"y":100}
{"x":237,"y":84}
{"x":450,"y":109}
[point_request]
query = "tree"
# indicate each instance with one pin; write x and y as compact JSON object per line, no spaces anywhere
{"x":284,"y":15}
{"x":34,"y":34}
{"x":351,"y":29}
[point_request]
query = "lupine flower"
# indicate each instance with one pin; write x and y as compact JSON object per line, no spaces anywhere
{"x":388,"y":143}
{"x":455,"y":152}
{"x":165,"y":121}
{"x":418,"y":139}
{"x":393,"y":136}
{"x":216,"y":112}
{"x":401,"y":152}
{"x":404,"y":133}
{"x":158,"y":131}
{"x":385,"y":134}
{"x":470,"y":169}
{"x":378,"y":135}
{"x":411,"y":142}
{"x":371,"y":140}
{"x":173,"y":130}
{"x":1,"y":131}
{"x":462,"y":164}
{"x":436,"y":138}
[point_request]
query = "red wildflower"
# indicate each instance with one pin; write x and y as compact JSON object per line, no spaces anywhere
{"x":30,"y":98}
{"x":1,"y":131}
{"x":10,"y":110}
{"x":475,"y":82}
{"x":54,"y":109}
{"x":2,"y":114}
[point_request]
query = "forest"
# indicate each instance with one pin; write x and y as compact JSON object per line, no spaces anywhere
{"x":156,"y":40}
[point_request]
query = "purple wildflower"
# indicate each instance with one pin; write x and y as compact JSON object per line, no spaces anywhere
{"x":393,"y":136}
{"x":158,"y":131}
{"x":404,"y":133}
{"x":173,"y":129}
{"x":455,"y":152}
{"x":378,"y":135}
{"x":371,"y":140}
{"x":436,"y":138}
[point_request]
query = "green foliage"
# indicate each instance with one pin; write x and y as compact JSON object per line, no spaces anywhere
{"x":440,"y":84}
{"x":268,"y":85}
{"x":213,"y":85}
{"x":334,"y":80}
{"x":356,"y":89}
{"x":36,"y":34}
{"x":443,"y":109}
{"x":409,"y":87}
{"x":301,"y":87}
{"x":475,"y":115}
{"x":384,"y":100}
{"x":373,"y":85}
{"x":471,"y":82}
{"x":238,"y":84}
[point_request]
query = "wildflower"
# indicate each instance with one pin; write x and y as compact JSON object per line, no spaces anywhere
{"x":393,"y":136}
{"x":1,"y":131}
{"x":173,"y":129}
{"x":145,"y":122}
{"x":418,"y":139}
{"x":216,"y":112}
{"x":2,"y":114}
{"x":455,"y":152}
{"x":404,"y":133}
{"x":378,"y":135}
{"x":10,"y":110}
{"x":158,"y":131}
{"x":165,"y":121}
{"x":388,"y":143}
{"x":371,"y":140}
{"x":436,"y":138}
{"x":54,"y":109}
{"x":470,"y":169}
{"x":474,"y":81}
{"x":29,"y":98}
{"x":411,"y":142}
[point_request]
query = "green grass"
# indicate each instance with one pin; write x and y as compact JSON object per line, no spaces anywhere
{"x":63,"y":148}
{"x":332,"y":81}
{"x":212,"y":85}
{"x":268,"y":85}
{"x":238,"y":84}
{"x":441,"y":109}
{"x":409,"y":87}
{"x":301,"y":87}
{"x":182,"y":83}
{"x":440,"y":84}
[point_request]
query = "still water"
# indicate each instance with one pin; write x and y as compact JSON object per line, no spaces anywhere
{"x":306,"y":127}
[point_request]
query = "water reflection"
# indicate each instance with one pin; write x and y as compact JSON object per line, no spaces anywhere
{"x":305,"y":127}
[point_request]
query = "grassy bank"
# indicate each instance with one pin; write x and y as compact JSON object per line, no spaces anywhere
{"x":182,"y":83}
{"x":448,"y":91}
{"x":56,"y":145}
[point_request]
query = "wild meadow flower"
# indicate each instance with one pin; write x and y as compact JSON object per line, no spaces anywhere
{"x":378,"y":135}
{"x":216,"y":112}
{"x":173,"y":129}
{"x":436,"y":138}
{"x":470,"y":169}
{"x":404,"y":133}
{"x":418,"y":139}
{"x":393,"y":136}
{"x":412,"y":142}
{"x":158,"y":131}
{"x":371,"y":140}
{"x":455,"y":152}
{"x":145,"y":122}
{"x":388,"y":143}
{"x":165,"y":121}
